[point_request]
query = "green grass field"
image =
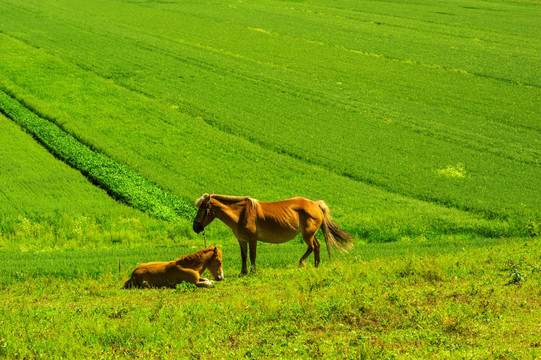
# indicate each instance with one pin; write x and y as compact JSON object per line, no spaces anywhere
{"x":449,"y":299}
{"x":417,"y":122}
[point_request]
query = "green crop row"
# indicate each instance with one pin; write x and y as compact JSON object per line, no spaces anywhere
{"x":119,"y":181}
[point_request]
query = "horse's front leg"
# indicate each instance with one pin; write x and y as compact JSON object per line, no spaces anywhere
{"x":253,"y":249}
{"x":244,"y":256}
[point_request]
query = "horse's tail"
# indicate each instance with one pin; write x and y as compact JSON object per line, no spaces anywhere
{"x":334,"y":235}
{"x":129,"y":283}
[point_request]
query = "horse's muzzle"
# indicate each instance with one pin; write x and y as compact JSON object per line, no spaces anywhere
{"x":198,"y":227}
{"x":220,"y":277}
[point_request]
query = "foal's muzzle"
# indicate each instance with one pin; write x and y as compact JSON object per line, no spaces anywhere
{"x":198,"y":227}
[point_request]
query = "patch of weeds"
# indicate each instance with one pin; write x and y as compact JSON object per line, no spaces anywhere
{"x":533,"y":228}
{"x":457,"y":172}
{"x":428,"y":270}
{"x":517,"y":276}
{"x":155,"y":312}
{"x":118,"y":313}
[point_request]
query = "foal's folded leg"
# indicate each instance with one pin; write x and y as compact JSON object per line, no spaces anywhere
{"x":193,"y":277}
{"x":204,"y":283}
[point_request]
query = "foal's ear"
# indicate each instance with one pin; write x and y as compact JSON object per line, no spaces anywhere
{"x":215,"y":250}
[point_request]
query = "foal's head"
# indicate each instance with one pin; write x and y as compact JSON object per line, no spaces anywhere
{"x":205,"y":215}
{"x":215,"y":265}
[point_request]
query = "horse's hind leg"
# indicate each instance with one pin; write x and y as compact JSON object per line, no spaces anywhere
{"x":308,"y":235}
{"x":309,"y":240}
{"x":316,"y":252}
{"x":302,"y":261}
{"x":313,"y":245}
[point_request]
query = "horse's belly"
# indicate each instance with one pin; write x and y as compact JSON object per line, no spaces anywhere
{"x":278,"y":226}
{"x":275,"y":236}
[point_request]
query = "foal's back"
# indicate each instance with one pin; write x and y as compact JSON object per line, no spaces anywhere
{"x":159,"y":274}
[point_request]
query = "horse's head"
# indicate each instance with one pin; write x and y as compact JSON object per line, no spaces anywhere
{"x":205,"y":215}
{"x":215,"y":265}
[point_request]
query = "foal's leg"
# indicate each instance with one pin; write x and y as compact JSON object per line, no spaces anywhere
{"x":253,"y":247}
{"x":244,"y":256}
{"x":204,"y":283}
{"x":188,"y":275}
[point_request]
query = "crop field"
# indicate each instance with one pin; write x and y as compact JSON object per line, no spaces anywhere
{"x":417,"y":122}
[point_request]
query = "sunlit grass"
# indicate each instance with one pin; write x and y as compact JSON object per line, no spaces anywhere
{"x":455,"y":300}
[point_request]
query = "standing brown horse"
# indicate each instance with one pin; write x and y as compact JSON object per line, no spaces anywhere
{"x":188,"y":268}
{"x":272,"y":222}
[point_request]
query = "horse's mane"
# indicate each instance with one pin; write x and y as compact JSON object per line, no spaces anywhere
{"x":199,"y":201}
{"x":234,"y":199}
{"x":225,"y":198}
{"x":196,"y":257}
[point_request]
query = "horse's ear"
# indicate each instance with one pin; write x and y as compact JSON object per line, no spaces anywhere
{"x":215,"y":250}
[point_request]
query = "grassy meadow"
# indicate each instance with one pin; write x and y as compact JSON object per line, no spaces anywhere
{"x":450,"y":299}
{"x":417,"y":122}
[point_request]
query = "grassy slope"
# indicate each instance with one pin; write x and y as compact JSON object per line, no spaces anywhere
{"x":179,"y":88}
{"x":191,"y":161}
{"x":47,"y":204}
{"x":34,"y":182}
{"x":464,"y":299}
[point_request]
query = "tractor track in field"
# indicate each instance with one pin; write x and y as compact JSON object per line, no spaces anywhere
{"x":290,"y":89}
{"x":295,"y":91}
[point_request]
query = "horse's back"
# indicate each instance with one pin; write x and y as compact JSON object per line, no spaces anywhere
{"x":296,"y":204}
{"x":152,"y":267}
